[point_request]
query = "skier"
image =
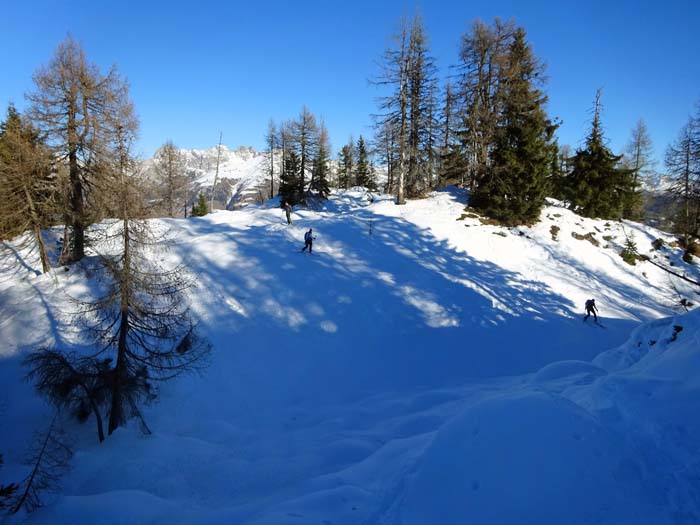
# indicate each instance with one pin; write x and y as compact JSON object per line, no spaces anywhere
{"x":308,"y":240}
{"x":288,"y":212}
{"x":591,"y":309}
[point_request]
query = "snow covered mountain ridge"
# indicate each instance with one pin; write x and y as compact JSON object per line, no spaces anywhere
{"x":421,"y":366}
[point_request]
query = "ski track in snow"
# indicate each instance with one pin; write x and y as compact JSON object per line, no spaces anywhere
{"x":432,"y":371}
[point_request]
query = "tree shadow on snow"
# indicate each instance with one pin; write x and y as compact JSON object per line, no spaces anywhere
{"x":392,"y":310}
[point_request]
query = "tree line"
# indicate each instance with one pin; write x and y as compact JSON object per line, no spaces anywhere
{"x":487,"y":129}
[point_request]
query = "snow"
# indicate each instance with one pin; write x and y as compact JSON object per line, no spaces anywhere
{"x":436,"y":370}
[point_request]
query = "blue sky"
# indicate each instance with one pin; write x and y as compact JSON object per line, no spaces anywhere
{"x":198,"y":68}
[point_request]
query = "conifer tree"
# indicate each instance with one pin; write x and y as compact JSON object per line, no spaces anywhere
{"x":597,"y":187}
{"x":305,"y":141}
{"x":271,"y":140}
{"x":394,"y":107}
{"x":201,"y":207}
{"x":321,"y":170}
{"x":346,"y":163}
{"x":140,"y":323}
{"x":75,"y":105}
{"x":683,"y":164}
{"x":170,"y":171}
{"x":483,"y":55}
{"x":421,"y":110}
{"x":289,"y":190}
{"x":363,"y":170}
{"x":638,"y":157}
{"x":516,"y":182}
{"x":28,"y":184}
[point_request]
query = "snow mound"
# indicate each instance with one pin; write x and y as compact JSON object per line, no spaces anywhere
{"x":577,"y":444}
{"x":530,"y":457}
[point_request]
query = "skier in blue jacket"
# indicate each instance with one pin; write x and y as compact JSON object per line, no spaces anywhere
{"x":308,"y":240}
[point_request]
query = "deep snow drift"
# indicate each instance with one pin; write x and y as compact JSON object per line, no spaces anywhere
{"x":418,"y":367}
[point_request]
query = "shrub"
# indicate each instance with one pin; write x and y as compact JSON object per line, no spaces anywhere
{"x":554,"y":230}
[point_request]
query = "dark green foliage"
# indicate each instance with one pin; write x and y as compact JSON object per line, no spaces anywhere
{"x":629,"y":253}
{"x":201,"y":208}
{"x":515,"y":185}
{"x":320,"y":172}
{"x":346,"y":159}
{"x":363,"y":171}
{"x":557,"y":175}
{"x":290,"y":179}
{"x":28,"y":182}
{"x":597,"y":187}
{"x":453,"y":165}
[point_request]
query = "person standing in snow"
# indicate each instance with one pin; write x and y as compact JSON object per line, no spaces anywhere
{"x":308,"y":240}
{"x":591,"y":309}
{"x":288,"y":212}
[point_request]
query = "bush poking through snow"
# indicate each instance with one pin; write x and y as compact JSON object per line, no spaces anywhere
{"x":590,"y":237}
{"x":554,"y":230}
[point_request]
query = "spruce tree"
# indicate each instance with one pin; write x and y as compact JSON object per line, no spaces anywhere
{"x":346,"y":161}
{"x":597,"y":187}
{"x":321,"y":171}
{"x":289,"y":190}
{"x":363,"y":170}
{"x":201,"y":207}
{"x":515,"y":184}
{"x":28,"y":184}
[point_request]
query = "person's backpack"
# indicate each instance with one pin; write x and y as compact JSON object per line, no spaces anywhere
{"x":589,"y":304}
{"x":307,"y":236}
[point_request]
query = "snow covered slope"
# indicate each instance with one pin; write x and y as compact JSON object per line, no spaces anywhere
{"x":418,"y":367}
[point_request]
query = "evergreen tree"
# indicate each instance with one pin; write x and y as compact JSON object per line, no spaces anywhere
{"x":394,"y":107}
{"x":421,"y":111}
{"x":271,"y":140}
{"x":28,"y":186}
{"x":597,"y":187}
{"x":516,"y":182}
{"x":321,"y":170}
{"x":305,"y":141}
{"x":346,"y":163}
{"x":363,"y":171}
{"x":289,"y":190}
{"x":201,"y":207}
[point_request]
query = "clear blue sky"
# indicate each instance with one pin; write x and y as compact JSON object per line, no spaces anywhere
{"x":199,"y":67}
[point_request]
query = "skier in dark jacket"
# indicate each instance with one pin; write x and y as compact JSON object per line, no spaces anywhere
{"x":308,"y":240}
{"x":288,"y":212}
{"x":591,"y":309}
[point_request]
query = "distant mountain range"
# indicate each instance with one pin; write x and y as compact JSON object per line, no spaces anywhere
{"x":242,"y":176}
